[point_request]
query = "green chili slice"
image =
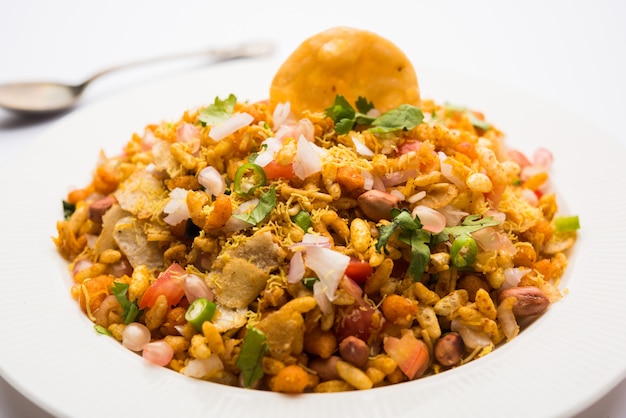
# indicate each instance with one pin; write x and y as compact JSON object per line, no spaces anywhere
{"x":248,"y":178}
{"x":199,"y":311}
{"x":463,"y":251}
{"x":303,"y":220}
{"x":566,"y":223}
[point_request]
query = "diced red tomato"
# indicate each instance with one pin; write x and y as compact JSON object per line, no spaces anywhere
{"x":409,"y":353}
{"x":169,"y":283}
{"x":274,"y":170}
{"x":359,"y":270}
{"x":356,"y":320}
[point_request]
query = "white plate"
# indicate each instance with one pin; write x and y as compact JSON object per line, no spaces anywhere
{"x":563,"y":363}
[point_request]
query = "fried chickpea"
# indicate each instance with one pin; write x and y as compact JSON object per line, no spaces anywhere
{"x":291,"y":379}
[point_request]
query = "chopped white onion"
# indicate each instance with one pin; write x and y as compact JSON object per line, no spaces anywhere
{"x":320,"y":297}
{"x":296,"y":268}
{"x":329,"y":266}
{"x":307,"y":161}
{"x":446,"y":171}
{"x":398,"y":177}
{"x":453,"y":215}
{"x":368,"y":177}
{"x":176,"y":208}
{"x":472,"y":337}
{"x":212,"y":180}
{"x":206,"y":367}
{"x":397,"y":193}
{"x":512,"y":276}
{"x":195,"y":287}
{"x":231,"y":125}
{"x":530,"y":197}
{"x":543,"y":159}
{"x":190,"y":134}
{"x":361,"y":148}
{"x":305,"y":127}
{"x":282,"y":115}
{"x":432,"y":220}
{"x":271,"y":145}
{"x":226,"y":319}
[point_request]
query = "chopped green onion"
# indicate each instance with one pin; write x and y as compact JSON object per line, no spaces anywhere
{"x":463,"y":251}
{"x":566,"y":223}
{"x":248,"y":178}
{"x":303,"y":220}
{"x":199,"y":311}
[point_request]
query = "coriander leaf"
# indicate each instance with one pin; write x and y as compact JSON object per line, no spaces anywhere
{"x":340,"y":109}
{"x":363,"y":106}
{"x":250,"y":357}
{"x":400,"y":219}
{"x":403,"y":117}
{"x":219,"y":111}
{"x":344,"y":126}
{"x":478,"y":123}
{"x":68,"y":209}
{"x":420,"y":254}
{"x":471,"y":223}
{"x":266,"y":204}
{"x":130,"y":310}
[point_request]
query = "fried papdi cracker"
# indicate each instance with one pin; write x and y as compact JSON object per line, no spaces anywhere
{"x":346,"y":61}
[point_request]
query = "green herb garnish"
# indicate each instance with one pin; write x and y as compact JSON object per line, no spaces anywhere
{"x":421,"y":241}
{"x":68,"y":209}
{"x":266,"y":204}
{"x":130,"y":310}
{"x":102,"y":330}
{"x":346,"y":118}
{"x":219,"y":111}
{"x":250,"y":357}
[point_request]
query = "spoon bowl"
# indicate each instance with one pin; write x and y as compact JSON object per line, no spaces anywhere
{"x":47,"y":98}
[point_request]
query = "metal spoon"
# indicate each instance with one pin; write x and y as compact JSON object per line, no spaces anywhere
{"x":47,"y":98}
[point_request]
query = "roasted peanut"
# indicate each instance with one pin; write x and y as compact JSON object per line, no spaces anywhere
{"x":530,"y":300}
{"x":326,"y":369}
{"x":354,"y":351}
{"x":449,"y":349}
{"x":377,"y":204}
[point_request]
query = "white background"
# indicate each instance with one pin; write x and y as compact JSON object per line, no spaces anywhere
{"x":572,"y":53}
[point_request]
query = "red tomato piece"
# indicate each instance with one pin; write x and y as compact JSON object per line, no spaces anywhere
{"x":359,"y":270}
{"x":169,"y":283}
{"x":410,"y":353}
{"x":274,"y":170}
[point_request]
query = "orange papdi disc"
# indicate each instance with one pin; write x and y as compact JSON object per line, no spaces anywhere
{"x":346,"y":61}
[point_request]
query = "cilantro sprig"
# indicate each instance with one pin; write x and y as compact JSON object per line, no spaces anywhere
{"x":219,"y":111}
{"x":130,"y":310}
{"x":267,"y":202}
{"x":404,"y":117}
{"x":411,"y":232}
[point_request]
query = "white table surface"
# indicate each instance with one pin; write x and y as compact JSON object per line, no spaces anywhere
{"x":572,"y":53}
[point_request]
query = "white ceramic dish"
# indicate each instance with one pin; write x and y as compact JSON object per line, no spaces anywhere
{"x":564,"y":362}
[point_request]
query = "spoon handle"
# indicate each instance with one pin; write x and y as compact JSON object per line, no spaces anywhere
{"x":245,"y":50}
